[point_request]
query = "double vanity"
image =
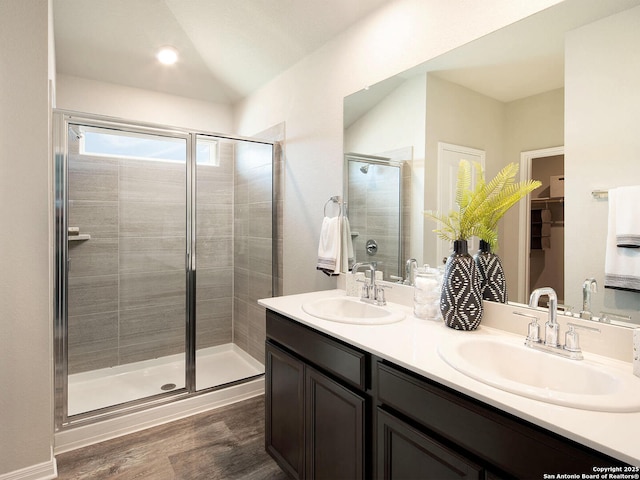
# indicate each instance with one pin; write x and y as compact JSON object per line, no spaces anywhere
{"x":355,"y":390}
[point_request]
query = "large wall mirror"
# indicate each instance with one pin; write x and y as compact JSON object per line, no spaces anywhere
{"x":558,"y":93}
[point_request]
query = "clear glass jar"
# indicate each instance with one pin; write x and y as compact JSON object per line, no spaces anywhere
{"x":426,"y":293}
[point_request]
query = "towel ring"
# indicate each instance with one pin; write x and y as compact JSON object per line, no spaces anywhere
{"x":335,"y":199}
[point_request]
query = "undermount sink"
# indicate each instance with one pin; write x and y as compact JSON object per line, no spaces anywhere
{"x":515,"y":368}
{"x":351,"y":310}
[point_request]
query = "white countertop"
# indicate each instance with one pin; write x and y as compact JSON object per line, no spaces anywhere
{"x":413,"y":344}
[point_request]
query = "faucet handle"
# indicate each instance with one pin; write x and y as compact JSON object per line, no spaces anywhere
{"x":379,"y":295}
{"x":533,"y":330}
{"x":572,"y":339}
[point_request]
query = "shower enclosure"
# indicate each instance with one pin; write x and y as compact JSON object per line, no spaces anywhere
{"x":374,"y":189}
{"x":164,"y":242}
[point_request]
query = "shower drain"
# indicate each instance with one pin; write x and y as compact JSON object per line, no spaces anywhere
{"x":168,"y":386}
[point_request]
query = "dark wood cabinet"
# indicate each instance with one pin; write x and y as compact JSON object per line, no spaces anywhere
{"x":502,"y":444}
{"x":334,"y":427}
{"x":284,"y":403}
{"x":336,"y":412}
{"x":405,"y":453}
{"x":315,"y":410}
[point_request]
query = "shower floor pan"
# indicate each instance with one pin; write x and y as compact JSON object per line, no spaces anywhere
{"x":215,"y":366}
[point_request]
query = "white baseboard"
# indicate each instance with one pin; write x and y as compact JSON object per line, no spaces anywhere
{"x":41,"y":471}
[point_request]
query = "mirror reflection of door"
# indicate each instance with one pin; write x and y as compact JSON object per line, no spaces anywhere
{"x":545,"y":259}
{"x":449,"y":157}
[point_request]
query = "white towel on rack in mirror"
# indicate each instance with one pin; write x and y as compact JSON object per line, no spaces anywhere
{"x":627,"y":218}
{"x":346,"y":248}
{"x":329,"y":256}
{"x":622,"y":265}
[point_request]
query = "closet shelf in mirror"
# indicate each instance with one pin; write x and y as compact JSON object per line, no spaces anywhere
{"x":548,"y":200}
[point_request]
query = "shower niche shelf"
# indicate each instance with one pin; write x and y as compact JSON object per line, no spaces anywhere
{"x":80,"y":237}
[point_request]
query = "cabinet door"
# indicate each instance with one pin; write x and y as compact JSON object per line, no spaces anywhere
{"x":284,"y":405}
{"x":406,"y":453}
{"x":334,"y":429}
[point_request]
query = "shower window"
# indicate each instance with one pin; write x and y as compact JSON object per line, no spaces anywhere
{"x":207,"y":152}
{"x":121,"y":144}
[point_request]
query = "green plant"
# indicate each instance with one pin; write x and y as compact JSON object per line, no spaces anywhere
{"x":504,"y":194}
{"x":465,"y":222}
{"x":480,"y":208}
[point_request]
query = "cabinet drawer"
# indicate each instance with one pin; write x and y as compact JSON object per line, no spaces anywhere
{"x":347,"y":363}
{"x":512,"y":445}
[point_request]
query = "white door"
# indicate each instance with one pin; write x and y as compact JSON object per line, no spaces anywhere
{"x":449,"y":157}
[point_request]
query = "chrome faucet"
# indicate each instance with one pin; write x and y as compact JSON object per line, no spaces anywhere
{"x":589,"y":286}
{"x":571,"y":348}
{"x":551,"y":328}
{"x":410,"y":271}
{"x":371,"y":293}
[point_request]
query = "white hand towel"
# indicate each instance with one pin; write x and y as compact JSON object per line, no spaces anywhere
{"x":627,"y":216}
{"x":347,"y":246}
{"x":622,"y":265}
{"x":329,"y":246}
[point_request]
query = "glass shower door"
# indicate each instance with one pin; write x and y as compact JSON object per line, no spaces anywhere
{"x":126,"y":241}
{"x":233,"y":257}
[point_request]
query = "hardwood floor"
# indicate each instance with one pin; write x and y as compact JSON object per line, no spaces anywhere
{"x":227,"y":443}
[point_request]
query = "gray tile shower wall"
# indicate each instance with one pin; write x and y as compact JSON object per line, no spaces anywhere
{"x":127,"y":284}
{"x":253,"y":245}
{"x":373,"y":214}
{"x":214,"y":250}
{"x":93,"y":322}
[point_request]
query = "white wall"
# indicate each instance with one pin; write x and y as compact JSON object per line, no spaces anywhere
{"x":26,"y":425}
{"x":602,"y":75}
{"x":532,"y":123}
{"x":308,"y":97}
{"x":101,"y":98}
{"x":462,"y":117}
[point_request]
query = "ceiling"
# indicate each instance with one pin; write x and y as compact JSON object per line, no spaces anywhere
{"x":227,"y":48}
{"x":230,"y":48}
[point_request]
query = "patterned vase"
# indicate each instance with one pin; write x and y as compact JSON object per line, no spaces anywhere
{"x":493,"y":285}
{"x":461,"y":300}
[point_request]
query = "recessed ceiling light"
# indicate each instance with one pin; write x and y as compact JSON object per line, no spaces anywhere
{"x":167,"y":55}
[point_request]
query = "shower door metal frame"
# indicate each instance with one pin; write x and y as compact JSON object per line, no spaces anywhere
{"x":61,"y":121}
